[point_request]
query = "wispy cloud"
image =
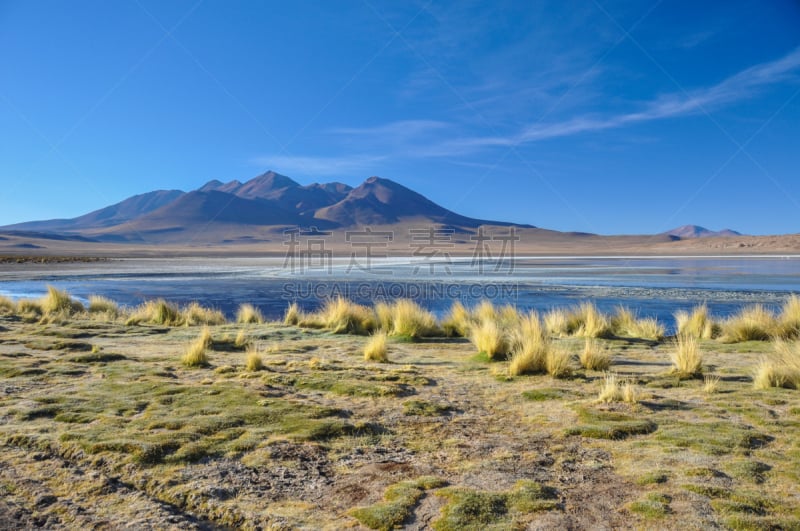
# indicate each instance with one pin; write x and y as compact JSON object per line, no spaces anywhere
{"x":428,"y":138}
{"x":733,"y":89}
{"x":313,"y":166}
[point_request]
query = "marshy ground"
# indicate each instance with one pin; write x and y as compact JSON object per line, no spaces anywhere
{"x":102,"y":426}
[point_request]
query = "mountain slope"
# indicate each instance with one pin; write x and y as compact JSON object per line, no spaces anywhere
{"x":129,"y":209}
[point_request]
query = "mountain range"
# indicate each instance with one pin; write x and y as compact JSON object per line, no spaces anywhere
{"x":256,"y":210}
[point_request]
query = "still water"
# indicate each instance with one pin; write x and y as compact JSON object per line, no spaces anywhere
{"x":653,"y":287}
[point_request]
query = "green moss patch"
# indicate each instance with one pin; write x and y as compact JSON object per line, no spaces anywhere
{"x":598,"y":424}
{"x":397,"y":505}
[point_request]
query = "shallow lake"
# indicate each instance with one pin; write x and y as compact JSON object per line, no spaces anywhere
{"x":654,"y":287}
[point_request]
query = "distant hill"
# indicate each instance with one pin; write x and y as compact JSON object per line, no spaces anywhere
{"x":269,"y":202}
{"x":695,"y":231}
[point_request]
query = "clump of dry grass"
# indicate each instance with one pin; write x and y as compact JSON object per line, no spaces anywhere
{"x":781,"y":369}
{"x":345,"y":317}
{"x":196,"y":353}
{"x":409,"y":319}
{"x":595,"y":357}
{"x":7,"y":305}
{"x":529,"y":347}
{"x":584,"y":320}
{"x":648,"y":328}
{"x":195,"y":314}
{"x":253,"y":361}
{"x":614,"y":390}
{"x":249,"y":314}
{"x":59,"y":302}
{"x":752,"y":323}
{"x":376,"y":349}
{"x":485,"y":311}
{"x":589,"y":322}
{"x":696,"y":324}
{"x":293,"y":315}
{"x":458,"y":321}
{"x":559,"y":362}
{"x":158,"y":312}
{"x":556,"y":322}
{"x":29,"y":309}
{"x":711,"y":384}
{"x":100,"y":304}
{"x":629,"y":392}
{"x":610,"y":392}
{"x":241,"y":340}
{"x":383,"y":314}
{"x":624,"y":323}
{"x":789,"y":319}
{"x":508,"y":317}
{"x":687,"y":360}
{"x":490,"y":339}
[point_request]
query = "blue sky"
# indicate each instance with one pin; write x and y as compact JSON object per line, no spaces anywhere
{"x":600,"y":116}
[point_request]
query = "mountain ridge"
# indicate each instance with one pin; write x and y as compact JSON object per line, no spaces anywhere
{"x":271,"y":202}
{"x":267,"y":201}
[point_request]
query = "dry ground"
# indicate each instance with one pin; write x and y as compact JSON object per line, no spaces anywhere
{"x":102,"y":427}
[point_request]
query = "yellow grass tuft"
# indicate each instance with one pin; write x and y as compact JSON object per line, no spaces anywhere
{"x":752,"y":323}
{"x":196,"y":353}
{"x":529,"y":347}
{"x":595,"y":357}
{"x":610,"y":392}
{"x":485,"y":311}
{"x":587,"y":321}
{"x":293,"y":315}
{"x":375,"y":349}
{"x":7,"y":305}
{"x":194,"y":314}
{"x":559,"y":362}
{"x":789,"y":319}
{"x":629,"y":392}
{"x":383,"y":314}
{"x":614,"y":390}
{"x":458,"y":321}
{"x":556,"y":321}
{"x":584,"y":320}
{"x":345,"y":317}
{"x":409,"y":319}
{"x":249,"y":314}
{"x":781,"y":369}
{"x":711,"y":384}
{"x":59,"y":302}
{"x":99,"y":304}
{"x":253,"y":361}
{"x":158,"y":312}
{"x":489,"y":339}
{"x":508,"y":317}
{"x":687,"y":360}
{"x":697,"y":324}
{"x":624,"y":323}
{"x":29,"y":309}
{"x":241,"y":340}
{"x":648,"y":328}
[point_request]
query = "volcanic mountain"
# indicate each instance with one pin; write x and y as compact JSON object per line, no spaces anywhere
{"x":268,"y":203}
